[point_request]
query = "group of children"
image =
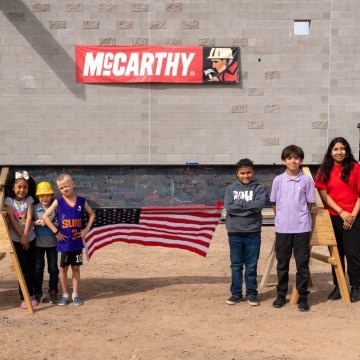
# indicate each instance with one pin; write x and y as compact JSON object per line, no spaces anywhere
{"x":53,"y":226}
{"x":47,"y":227}
{"x":292,"y":196}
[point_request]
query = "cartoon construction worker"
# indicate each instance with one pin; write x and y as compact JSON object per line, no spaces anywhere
{"x":224,"y":67}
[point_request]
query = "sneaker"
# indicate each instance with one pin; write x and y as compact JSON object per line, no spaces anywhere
{"x":77,"y":301}
{"x":40,"y":298}
{"x":253,"y":301}
{"x":233,"y":299}
{"x":355,"y":294}
{"x":54,"y":299}
{"x":63,"y":301}
{"x":279,"y":302}
{"x":23,"y":304}
{"x":303,"y":304}
{"x":34,"y":301}
{"x":335,"y":294}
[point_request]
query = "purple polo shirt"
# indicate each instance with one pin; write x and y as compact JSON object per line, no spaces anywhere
{"x":292,"y":196}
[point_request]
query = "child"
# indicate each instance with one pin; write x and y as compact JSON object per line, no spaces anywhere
{"x":292,"y":195}
{"x":244,"y":200}
{"x":19,"y":207}
{"x":45,"y":244}
{"x":70,"y":233}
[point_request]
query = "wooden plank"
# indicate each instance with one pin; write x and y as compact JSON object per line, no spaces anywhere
{"x":268,"y":267}
{"x":3,"y":176}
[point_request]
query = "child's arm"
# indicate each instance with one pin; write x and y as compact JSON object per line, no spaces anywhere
{"x":351,"y":219}
{"x":28,"y":224}
{"x":59,"y":236}
{"x":13,"y":222}
{"x":242,"y":207}
{"x":328,"y":200}
{"x":273,"y":205}
{"x":91,"y":214}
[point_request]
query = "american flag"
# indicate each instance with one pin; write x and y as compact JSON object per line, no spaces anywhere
{"x":189,"y":228}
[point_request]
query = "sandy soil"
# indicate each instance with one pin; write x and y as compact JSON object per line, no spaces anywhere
{"x":156,"y":303}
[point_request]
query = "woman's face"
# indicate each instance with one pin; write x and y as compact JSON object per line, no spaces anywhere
{"x":338,"y":153}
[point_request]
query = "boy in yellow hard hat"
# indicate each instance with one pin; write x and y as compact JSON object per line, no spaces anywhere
{"x":45,"y":245}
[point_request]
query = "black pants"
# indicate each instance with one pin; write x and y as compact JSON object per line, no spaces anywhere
{"x":348,"y":244}
{"x":27,"y":263}
{"x":284,"y":246}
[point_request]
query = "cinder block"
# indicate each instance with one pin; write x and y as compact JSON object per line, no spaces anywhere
{"x":91,"y":24}
{"x":74,"y":7}
{"x":125,"y":24}
{"x":56,"y":24}
{"x":190,"y":24}
{"x":140,"y":7}
{"x":41,"y":8}
{"x":159,"y":24}
{"x":173,"y":7}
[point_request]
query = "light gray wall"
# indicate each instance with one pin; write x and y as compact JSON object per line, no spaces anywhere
{"x":294,"y":89}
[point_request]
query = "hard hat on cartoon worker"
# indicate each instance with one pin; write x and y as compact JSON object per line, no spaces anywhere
{"x":220,"y":53}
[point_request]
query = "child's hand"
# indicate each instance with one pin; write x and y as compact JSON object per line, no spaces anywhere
{"x":83,"y":233}
{"x":349,"y":222}
{"x":60,"y":237}
{"x":24,"y":241}
{"x":39,"y":222}
{"x":347,"y":217}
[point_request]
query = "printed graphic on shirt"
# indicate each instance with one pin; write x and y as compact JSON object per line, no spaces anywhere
{"x":247,"y":195}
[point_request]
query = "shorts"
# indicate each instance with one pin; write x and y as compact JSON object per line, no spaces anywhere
{"x":73,"y":258}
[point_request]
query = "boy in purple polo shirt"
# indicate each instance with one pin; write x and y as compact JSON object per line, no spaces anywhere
{"x":292,"y":195}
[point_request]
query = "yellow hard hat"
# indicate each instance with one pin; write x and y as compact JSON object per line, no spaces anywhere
{"x":44,"y":188}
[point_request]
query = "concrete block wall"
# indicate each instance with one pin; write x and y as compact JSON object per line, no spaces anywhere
{"x":294,"y":89}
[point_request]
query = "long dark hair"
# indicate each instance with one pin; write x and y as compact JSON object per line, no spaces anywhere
{"x":328,"y":161}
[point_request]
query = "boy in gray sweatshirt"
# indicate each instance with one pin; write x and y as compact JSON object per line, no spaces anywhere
{"x":244,"y":200}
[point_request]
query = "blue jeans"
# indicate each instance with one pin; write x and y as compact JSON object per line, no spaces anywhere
{"x":53,"y":270}
{"x":244,"y":253}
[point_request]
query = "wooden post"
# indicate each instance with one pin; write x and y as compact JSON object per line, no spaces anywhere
{"x":6,"y":244}
{"x":322,"y":235}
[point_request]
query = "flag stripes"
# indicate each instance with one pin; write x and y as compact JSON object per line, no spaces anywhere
{"x":189,"y":228}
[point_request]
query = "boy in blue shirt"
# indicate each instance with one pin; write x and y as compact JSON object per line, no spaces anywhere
{"x":244,"y":200}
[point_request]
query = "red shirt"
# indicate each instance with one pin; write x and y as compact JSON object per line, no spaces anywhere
{"x":344,"y":194}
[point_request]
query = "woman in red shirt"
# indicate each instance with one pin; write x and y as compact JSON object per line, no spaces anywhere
{"x":338,"y":182}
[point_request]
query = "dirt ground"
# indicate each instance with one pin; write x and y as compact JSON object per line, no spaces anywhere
{"x":157,"y":303}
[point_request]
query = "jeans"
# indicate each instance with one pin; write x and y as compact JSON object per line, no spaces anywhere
{"x":52,"y":257}
{"x":244,"y":253}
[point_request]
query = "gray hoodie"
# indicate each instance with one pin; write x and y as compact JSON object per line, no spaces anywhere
{"x":243,"y":204}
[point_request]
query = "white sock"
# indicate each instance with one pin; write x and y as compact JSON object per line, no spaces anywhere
{"x":66,"y":295}
{"x":74,"y":295}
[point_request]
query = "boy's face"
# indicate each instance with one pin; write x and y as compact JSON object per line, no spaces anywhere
{"x":245,"y":174}
{"x":66,"y":186}
{"x":293,"y":163}
{"x":45,"y":200}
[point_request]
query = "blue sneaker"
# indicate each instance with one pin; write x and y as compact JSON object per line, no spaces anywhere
{"x":63,"y":301}
{"x":77,"y":301}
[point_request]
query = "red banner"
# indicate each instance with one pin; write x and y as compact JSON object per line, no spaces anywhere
{"x":169,"y":64}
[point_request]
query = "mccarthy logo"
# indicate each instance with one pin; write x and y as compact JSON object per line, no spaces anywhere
{"x":136,"y":64}
{"x":158,"y":64}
